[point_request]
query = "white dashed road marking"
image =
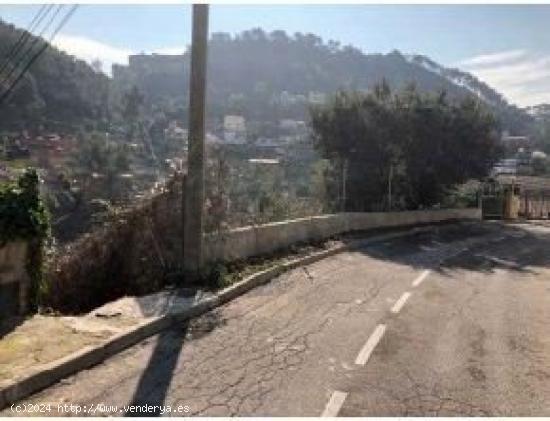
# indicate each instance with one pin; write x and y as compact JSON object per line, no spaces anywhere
{"x":421,"y":278}
{"x":337,"y":399}
{"x":334,"y":404}
{"x":400,"y":303}
{"x":364,"y":354}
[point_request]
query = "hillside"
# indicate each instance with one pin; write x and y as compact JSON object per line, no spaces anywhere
{"x":58,"y":90}
{"x":514,"y":119}
{"x":272,"y":74}
{"x":264,"y":76}
{"x":539,"y":112}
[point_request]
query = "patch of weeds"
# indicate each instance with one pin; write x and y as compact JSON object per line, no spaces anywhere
{"x":220,"y":275}
{"x":215,"y":276}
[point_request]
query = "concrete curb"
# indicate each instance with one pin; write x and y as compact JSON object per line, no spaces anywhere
{"x":51,"y":373}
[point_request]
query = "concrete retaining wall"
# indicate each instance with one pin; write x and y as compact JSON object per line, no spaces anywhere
{"x":250,"y":241}
{"x":14,"y":280}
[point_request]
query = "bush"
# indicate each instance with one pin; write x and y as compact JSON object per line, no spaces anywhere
{"x":23,"y":216}
{"x":423,"y":145}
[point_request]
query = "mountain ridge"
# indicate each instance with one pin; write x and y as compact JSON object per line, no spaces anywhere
{"x":258,"y":65}
{"x":249,"y":73}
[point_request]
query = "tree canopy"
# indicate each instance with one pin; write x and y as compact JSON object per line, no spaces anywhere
{"x":58,"y":91}
{"x":419,"y":145}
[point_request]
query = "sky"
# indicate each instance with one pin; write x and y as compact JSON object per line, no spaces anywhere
{"x":506,"y":46}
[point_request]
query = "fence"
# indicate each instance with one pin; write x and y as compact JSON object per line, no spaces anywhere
{"x":534,"y":205}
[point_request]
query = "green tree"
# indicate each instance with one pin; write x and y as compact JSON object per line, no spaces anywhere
{"x":358,"y":132}
{"x":419,"y":146}
{"x":100,"y":163}
{"x":132,"y":104}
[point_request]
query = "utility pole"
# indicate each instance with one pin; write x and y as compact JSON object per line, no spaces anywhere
{"x":344,"y":183}
{"x":390,"y":179}
{"x":194,"y":189}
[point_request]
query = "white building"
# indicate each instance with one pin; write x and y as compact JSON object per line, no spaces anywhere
{"x":292,"y":125}
{"x":234,"y":123}
{"x":234,"y":129}
{"x":316,"y":98}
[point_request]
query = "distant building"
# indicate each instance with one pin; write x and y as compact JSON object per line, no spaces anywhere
{"x":15,"y":149}
{"x":292,"y":125}
{"x":234,"y":123}
{"x":316,"y":98}
{"x":285,"y":98}
{"x":142,"y":64}
{"x":170,"y":72}
{"x":506,"y":167}
{"x":234,"y":129}
{"x":157,"y":63}
{"x":517,"y":150}
{"x":177,"y":134}
{"x":212,"y":139}
{"x":267,"y":142}
{"x":119,"y":71}
{"x":513,"y":144}
{"x":5,"y":173}
{"x":264,"y":161}
{"x":269,"y":147}
{"x":52,"y":150}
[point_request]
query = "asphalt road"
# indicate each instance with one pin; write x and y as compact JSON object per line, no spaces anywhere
{"x":452,"y":322}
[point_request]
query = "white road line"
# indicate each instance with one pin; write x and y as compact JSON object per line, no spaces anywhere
{"x":364,"y":354}
{"x":400,"y":303}
{"x":421,"y":278}
{"x":334,"y":404}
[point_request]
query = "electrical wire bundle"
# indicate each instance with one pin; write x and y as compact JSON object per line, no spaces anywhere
{"x":28,"y":48}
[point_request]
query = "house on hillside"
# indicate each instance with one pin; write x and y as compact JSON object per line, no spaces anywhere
{"x":234,"y":130}
{"x":176,"y":135}
{"x":316,"y":98}
{"x":292,"y":126}
{"x":519,"y":154}
{"x":269,"y":147}
{"x":515,"y":144}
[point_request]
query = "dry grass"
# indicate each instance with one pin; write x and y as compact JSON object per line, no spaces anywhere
{"x":131,"y":254}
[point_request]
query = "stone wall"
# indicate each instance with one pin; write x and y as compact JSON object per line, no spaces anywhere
{"x":250,"y":241}
{"x":14,"y":280}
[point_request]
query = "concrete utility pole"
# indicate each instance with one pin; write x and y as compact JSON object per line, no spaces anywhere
{"x":344,"y":183}
{"x":390,"y":179}
{"x":194,"y":191}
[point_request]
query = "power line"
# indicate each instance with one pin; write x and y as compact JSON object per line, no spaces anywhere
{"x":21,"y":41}
{"x":39,"y":53}
{"x":13,"y":60}
{"x":28,"y":52}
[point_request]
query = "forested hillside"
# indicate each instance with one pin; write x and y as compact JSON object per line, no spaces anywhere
{"x":57,"y":91}
{"x":249,"y":72}
{"x":260,"y":75}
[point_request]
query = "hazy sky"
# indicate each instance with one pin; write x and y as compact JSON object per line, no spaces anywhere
{"x":508,"y":47}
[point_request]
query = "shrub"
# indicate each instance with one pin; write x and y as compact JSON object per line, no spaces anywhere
{"x":23,"y":216}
